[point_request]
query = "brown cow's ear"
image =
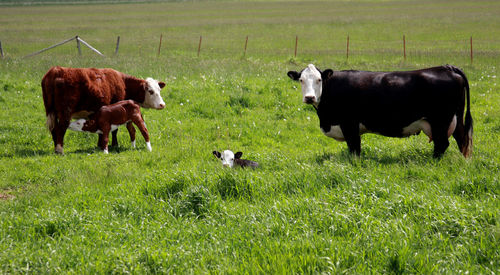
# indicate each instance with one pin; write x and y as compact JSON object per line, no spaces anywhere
{"x":161,"y":84}
{"x":216,"y":154}
{"x":238,"y":155}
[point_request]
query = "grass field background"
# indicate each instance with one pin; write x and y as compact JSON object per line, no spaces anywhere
{"x":310,"y":207}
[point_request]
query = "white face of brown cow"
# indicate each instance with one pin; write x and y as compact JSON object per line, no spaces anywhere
{"x":152,"y":97}
{"x":311,"y":82}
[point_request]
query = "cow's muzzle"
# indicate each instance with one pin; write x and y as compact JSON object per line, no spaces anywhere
{"x":309,"y":99}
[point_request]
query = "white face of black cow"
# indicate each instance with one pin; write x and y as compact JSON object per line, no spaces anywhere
{"x":152,"y":98}
{"x":311,"y":84}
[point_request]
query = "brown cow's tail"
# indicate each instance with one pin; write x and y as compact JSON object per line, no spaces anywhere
{"x":48,"y":101}
{"x":466,"y":147}
{"x":48,"y":90}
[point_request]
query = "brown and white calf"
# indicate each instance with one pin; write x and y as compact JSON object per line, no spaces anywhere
{"x":78,"y":92}
{"x":109,"y":117}
{"x":230,"y":159}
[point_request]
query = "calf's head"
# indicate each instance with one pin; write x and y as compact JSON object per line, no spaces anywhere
{"x":152,"y":96}
{"x":311,"y":81}
{"x":83,"y":125}
{"x":227,"y":157}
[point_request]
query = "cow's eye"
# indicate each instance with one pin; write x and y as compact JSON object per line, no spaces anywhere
{"x":301,"y":80}
{"x":319,"y":80}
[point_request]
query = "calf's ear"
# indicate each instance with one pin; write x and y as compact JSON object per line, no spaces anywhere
{"x":326,"y":74}
{"x":294,"y":75}
{"x":216,"y":154}
{"x":238,"y":155}
{"x":161,"y":84}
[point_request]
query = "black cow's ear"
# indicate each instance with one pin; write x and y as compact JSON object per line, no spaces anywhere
{"x":293,"y":75}
{"x":326,"y":74}
{"x":161,"y":84}
{"x":238,"y":155}
{"x":216,"y":154}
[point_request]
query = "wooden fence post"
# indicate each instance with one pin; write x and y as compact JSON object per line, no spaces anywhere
{"x":404,"y":47}
{"x":199,"y":46}
{"x":246,"y":43}
{"x":117,"y":45}
{"x":1,"y":49}
{"x":159,"y":47}
{"x":78,"y":45}
{"x":296,"y":42}
{"x":347,"y":50}
{"x":471,"y":51}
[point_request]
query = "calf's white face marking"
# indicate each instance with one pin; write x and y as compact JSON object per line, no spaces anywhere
{"x":77,"y":125}
{"x":227,"y":158}
{"x":311,"y":84}
{"x":152,"y":98}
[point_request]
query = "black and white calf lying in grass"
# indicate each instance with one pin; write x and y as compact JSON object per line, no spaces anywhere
{"x":230,"y":159}
{"x":109,"y":117}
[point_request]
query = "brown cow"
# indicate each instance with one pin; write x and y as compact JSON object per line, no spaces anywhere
{"x":109,"y":117}
{"x":78,"y":92}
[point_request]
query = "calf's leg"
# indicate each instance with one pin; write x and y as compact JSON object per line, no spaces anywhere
{"x":105,"y":139}
{"x":131,"y":132}
{"x":114,"y":142}
{"x":144,"y":131}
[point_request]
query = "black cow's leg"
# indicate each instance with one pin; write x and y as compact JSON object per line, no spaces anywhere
{"x":440,"y":138}
{"x":114,"y":142}
{"x":352,"y":137}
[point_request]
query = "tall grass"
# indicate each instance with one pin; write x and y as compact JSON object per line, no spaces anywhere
{"x":309,"y":208}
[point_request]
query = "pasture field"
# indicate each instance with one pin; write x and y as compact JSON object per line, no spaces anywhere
{"x":310,"y":207}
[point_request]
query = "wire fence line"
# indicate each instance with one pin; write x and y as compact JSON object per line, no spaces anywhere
{"x":350,"y":47}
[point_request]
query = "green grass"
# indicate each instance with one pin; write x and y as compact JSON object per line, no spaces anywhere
{"x":309,"y":208}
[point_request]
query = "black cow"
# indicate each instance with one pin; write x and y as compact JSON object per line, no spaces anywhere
{"x":394,"y":104}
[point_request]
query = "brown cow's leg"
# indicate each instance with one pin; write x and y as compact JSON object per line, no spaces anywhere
{"x":60,"y":131}
{"x":131,"y":132}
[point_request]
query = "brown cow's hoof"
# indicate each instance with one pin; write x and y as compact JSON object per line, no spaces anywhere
{"x":59,"y":149}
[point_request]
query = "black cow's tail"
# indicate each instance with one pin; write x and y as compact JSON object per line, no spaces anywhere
{"x":466,"y":147}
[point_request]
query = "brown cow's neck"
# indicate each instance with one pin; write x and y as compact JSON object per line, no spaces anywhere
{"x":134,"y":88}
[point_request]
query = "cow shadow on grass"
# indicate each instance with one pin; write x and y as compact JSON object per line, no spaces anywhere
{"x":27,"y":152}
{"x":386,"y":158}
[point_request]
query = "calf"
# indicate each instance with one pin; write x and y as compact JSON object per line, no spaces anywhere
{"x":109,"y":117}
{"x":229,"y":159}
{"x":394,"y":104}
{"x":78,"y":92}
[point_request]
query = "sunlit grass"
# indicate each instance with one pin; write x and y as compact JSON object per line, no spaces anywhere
{"x":309,"y":208}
